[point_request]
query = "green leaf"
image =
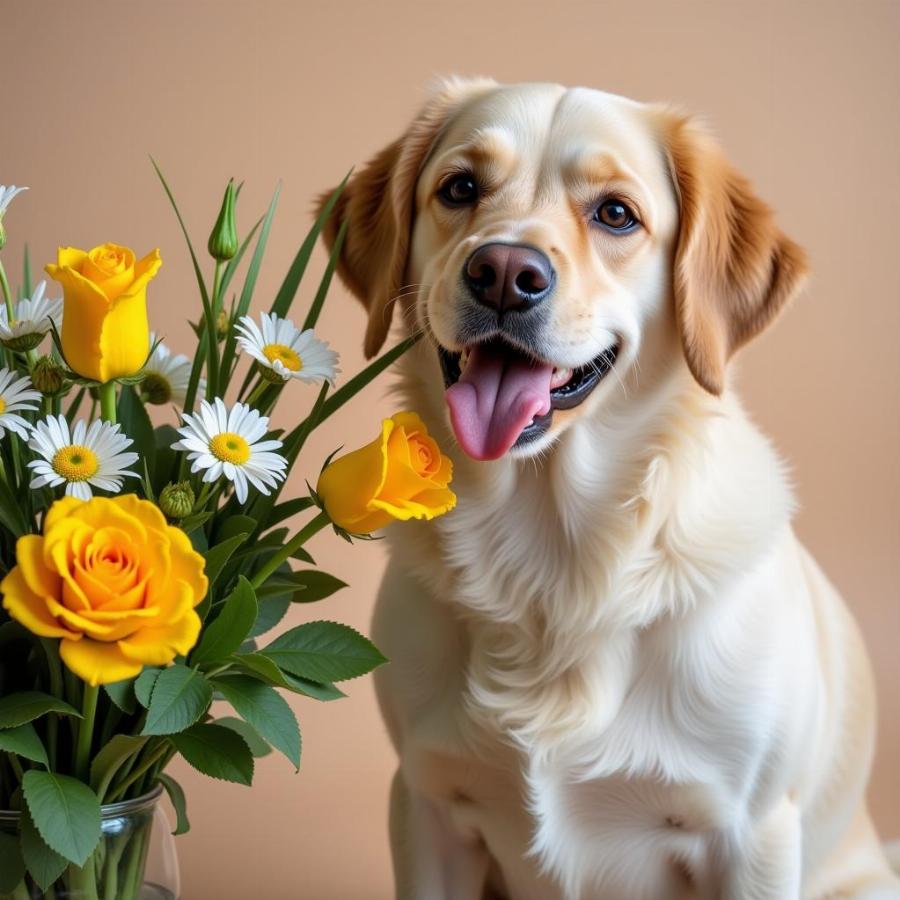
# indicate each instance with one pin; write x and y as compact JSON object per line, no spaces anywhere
{"x":249,"y":283}
{"x":235,"y":525}
{"x":12,"y":866}
{"x":26,"y":706}
{"x":144,"y":684}
{"x":235,"y":261}
{"x":287,"y":509}
{"x":179,"y":802}
{"x":44,"y":864}
{"x":65,"y":812}
{"x":316,"y":307}
{"x":217,"y":556}
{"x":24,"y":741}
{"x":222,"y":637}
{"x":288,"y":289}
{"x":216,"y":751}
{"x":122,"y":694}
{"x":180,"y":697}
{"x":135,"y":423}
{"x":318,"y":690}
{"x":271,"y":612}
{"x":164,"y":457}
{"x":324,"y":651}
{"x":266,"y":710}
{"x":111,"y":758}
{"x":306,"y":586}
{"x":258,"y":747}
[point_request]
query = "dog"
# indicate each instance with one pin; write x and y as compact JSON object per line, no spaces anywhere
{"x":615,"y":672}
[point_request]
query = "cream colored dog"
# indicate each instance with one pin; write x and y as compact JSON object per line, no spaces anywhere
{"x":615,"y":673}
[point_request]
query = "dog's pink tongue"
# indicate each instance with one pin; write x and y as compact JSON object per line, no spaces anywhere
{"x":497,"y":395}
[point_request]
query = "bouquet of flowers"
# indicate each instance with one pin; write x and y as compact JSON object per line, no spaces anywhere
{"x":143,"y":564}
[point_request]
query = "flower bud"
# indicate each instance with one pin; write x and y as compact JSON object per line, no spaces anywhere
{"x":156,"y":389}
{"x":48,"y":376}
{"x":223,"y":325}
{"x":177,"y":500}
{"x":2,"y":234}
{"x":223,"y":241}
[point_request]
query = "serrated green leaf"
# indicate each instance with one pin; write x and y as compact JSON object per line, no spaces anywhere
{"x":266,"y":710}
{"x":223,"y":636}
{"x":304,"y":586}
{"x":111,"y":758}
{"x":216,"y":751}
{"x":144,"y":684}
{"x":324,"y":651}
{"x":44,"y":864}
{"x":65,"y":812}
{"x":12,"y":866}
{"x":26,"y":706}
{"x":258,"y":747}
{"x":180,"y":697}
{"x":179,"y":802}
{"x":24,"y":741}
{"x":122,"y":694}
{"x":324,"y":691}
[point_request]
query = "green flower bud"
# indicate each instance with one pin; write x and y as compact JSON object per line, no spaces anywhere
{"x":2,"y":234}
{"x":177,"y":500}
{"x":48,"y":376}
{"x":223,"y":241}
{"x":155,"y":389}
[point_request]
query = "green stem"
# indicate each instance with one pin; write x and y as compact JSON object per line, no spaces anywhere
{"x":20,"y":892}
{"x":257,"y":392}
{"x":298,"y":540}
{"x":16,"y":766}
{"x":86,"y":732}
{"x":212,"y":360}
{"x":107,"y":392}
{"x":7,"y":293}
{"x":83,"y":881}
{"x":54,"y":669}
{"x":144,"y":767}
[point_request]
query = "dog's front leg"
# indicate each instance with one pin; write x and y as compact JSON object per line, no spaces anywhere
{"x":432,"y":861}
{"x":768,"y":863}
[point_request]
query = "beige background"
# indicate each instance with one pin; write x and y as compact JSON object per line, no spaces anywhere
{"x":803,"y":94}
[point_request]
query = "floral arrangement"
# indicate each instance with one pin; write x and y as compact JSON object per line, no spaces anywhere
{"x":143,"y":564}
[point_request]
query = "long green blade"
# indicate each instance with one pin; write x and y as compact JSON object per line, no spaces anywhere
{"x":288,"y":290}
{"x":231,"y":268}
{"x":228,"y":354}
{"x":313,"y":315}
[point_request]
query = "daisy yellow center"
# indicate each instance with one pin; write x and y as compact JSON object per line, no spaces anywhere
{"x":283,"y":354}
{"x":75,"y":463}
{"x":2,"y":406}
{"x":230,"y":447}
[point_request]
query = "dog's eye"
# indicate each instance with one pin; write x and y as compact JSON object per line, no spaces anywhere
{"x":459,"y":190}
{"x":615,"y":215}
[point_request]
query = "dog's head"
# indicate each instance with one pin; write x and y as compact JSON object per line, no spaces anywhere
{"x":546,"y":237}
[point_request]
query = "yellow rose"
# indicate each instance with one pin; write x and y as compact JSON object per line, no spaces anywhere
{"x":402,"y":474}
{"x":114,"y":580}
{"x":105,"y":333}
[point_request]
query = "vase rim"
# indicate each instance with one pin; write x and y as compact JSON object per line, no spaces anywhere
{"x":107,"y":810}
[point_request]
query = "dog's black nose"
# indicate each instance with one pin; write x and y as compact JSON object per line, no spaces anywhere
{"x":509,"y":276}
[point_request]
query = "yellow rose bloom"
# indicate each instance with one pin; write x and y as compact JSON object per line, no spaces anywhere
{"x":114,"y":581}
{"x":402,"y":474}
{"x":105,"y":333}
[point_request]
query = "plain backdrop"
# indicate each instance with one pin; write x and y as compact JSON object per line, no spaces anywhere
{"x":804,"y":96}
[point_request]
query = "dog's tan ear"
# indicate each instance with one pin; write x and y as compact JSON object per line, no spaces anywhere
{"x":734,"y":269}
{"x":379,"y":202}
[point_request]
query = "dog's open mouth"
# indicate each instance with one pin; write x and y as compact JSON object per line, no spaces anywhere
{"x":500,"y":397}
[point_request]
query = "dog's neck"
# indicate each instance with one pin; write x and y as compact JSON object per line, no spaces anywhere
{"x":621,"y":509}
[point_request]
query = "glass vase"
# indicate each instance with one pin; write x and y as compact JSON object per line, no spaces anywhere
{"x":135,"y":859}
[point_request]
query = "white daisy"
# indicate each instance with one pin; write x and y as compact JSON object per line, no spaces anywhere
{"x":7,"y":194}
{"x":168,"y":375}
{"x":87,"y":457}
{"x":281,"y":348}
{"x":32,"y":318}
{"x":227,"y":442}
{"x":16,"y":395}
